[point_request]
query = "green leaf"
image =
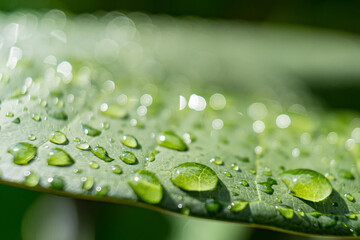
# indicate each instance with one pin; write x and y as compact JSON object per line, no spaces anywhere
{"x":181,"y":93}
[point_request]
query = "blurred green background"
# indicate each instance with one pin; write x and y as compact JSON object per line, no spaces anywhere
{"x":31,"y":215}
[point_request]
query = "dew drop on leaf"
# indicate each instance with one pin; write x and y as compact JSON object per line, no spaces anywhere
{"x":307,"y":184}
{"x":170,"y":140}
{"x":87,"y":182}
{"x":266,"y":187}
{"x":58,"y":157}
{"x":286,"y":212}
{"x":346,"y":174}
{"x":129,"y":141}
{"x":16,"y":120}
{"x":113,"y":110}
{"x":128,"y":157}
{"x":31,"y":179}
{"x":228,"y":174}
{"x":22,"y":152}
{"x":102,"y":191}
{"x":31,"y":137}
{"x":101,"y":153}
{"x":192,"y":176}
{"x":146,"y":186}
{"x":58,"y":137}
{"x":36,"y":117}
{"x":244,"y":183}
{"x":238,"y":206}
{"x":56,"y":182}
{"x":83,"y":146}
{"x":349,"y":197}
{"x":217,"y":161}
{"x":116,"y":169}
{"x":212,"y":206}
{"x":94,"y":165}
{"x":90,"y":131}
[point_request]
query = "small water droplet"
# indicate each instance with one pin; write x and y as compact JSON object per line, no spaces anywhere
{"x":300,"y":212}
{"x":87,"y":182}
{"x":238,"y":206}
{"x":146,"y":186}
{"x":116,"y":169}
{"x":286,"y":212}
{"x":151,"y":156}
{"x":31,"y":179}
{"x":349,"y":197}
{"x":170,"y":140}
{"x":192,"y":176}
{"x":83,"y":146}
{"x":9,"y":114}
{"x":228,"y":174}
{"x":113,"y":110}
{"x":58,"y":137}
{"x":212,"y":206}
{"x":244,"y":183}
{"x":316,"y":214}
{"x":94,"y":165}
{"x":16,"y":120}
{"x":101,"y":153}
{"x":129,"y":141}
{"x":351,"y":216}
{"x":307,"y":184}
{"x":278,"y":200}
{"x":56,"y":182}
{"x":184,"y":209}
{"x":58,"y":157}
{"x":235,"y":167}
{"x":105,"y":125}
{"x":252,"y":171}
{"x":217,"y":161}
{"x":90,"y":131}
{"x":128,"y":157}
{"x":22,"y":152}
{"x":102,"y":191}
{"x":36,"y":117}
{"x":346,"y":174}
{"x":31,"y":137}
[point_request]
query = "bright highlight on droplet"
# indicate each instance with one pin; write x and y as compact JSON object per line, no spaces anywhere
{"x":258,"y":126}
{"x":217,"y":101}
{"x":217,"y":124}
{"x":257,"y":111}
{"x":283,"y":121}
{"x":183,"y":103}
{"x":197,"y":103}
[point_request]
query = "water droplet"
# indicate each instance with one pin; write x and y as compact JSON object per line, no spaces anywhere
{"x":94,"y":165}
{"x":300,"y":212}
{"x":102,"y":191}
{"x":31,"y":179}
{"x":9,"y":114}
{"x":58,"y":157}
{"x":116,"y":169}
{"x":101,"y":153}
{"x":36,"y":117}
{"x":77,"y":171}
{"x":146,"y":186}
{"x":192,"y":176}
{"x":83,"y":146}
{"x":238,"y":206}
{"x":278,"y":200}
{"x":170,"y":140}
{"x":90,"y":131}
{"x":217,"y":161}
{"x":266,"y":187}
{"x":346,"y":174}
{"x":252,"y":171}
{"x":58,"y":137}
{"x":58,"y":114}
{"x":212,"y":205}
{"x":151,"y":156}
{"x":316,"y":214}
{"x":351,"y":216}
{"x":349,"y":197}
{"x":184,"y":209}
{"x":129,"y":141}
{"x":235,"y":167}
{"x":56,"y":182}
{"x":244,"y":183}
{"x":286,"y":212}
{"x":189,"y":138}
{"x":16,"y":120}
{"x":22,"y":152}
{"x":31,"y":137}
{"x":307,"y":184}
{"x":267,"y":172}
{"x":105,"y":125}
{"x":128,"y":157}
{"x":113,"y":110}
{"x":87,"y":182}
{"x":228,"y":174}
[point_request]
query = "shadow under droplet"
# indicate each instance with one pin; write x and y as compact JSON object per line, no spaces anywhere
{"x":334,"y":204}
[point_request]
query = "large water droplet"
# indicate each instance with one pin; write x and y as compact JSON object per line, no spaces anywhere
{"x":128,"y":157}
{"x":22,"y":152}
{"x":31,"y":179}
{"x":286,"y":212}
{"x":58,"y":137}
{"x":192,"y":176}
{"x":238,"y":206}
{"x":58,"y":157}
{"x":146,"y":186}
{"x":129,"y":141}
{"x":170,"y":140}
{"x":307,"y":184}
{"x":113,"y":110}
{"x":101,"y":153}
{"x":90,"y":131}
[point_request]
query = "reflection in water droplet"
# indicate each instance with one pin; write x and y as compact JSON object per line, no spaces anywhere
{"x":22,"y":152}
{"x":9,"y":114}
{"x":146,"y":186}
{"x":152,"y":155}
{"x":192,"y":176}
{"x":307,"y":184}
{"x":58,"y":157}
{"x":129,"y":141}
{"x":184,"y":209}
{"x":228,"y":174}
{"x":170,"y":140}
